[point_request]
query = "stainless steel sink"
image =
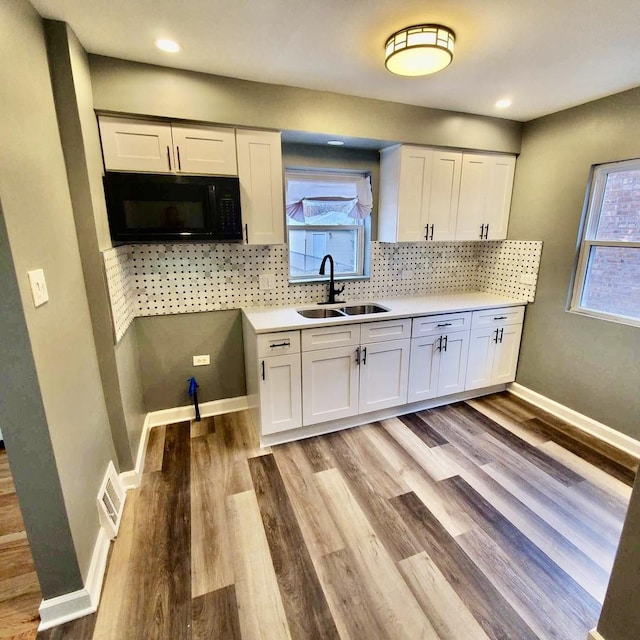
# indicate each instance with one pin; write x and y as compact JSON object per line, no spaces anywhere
{"x":321,"y":313}
{"x":362,"y":309}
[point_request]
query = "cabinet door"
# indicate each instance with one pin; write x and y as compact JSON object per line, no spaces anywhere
{"x":445,"y":190}
{"x":205,"y":150}
{"x":280,"y":393}
{"x":480,"y":362}
{"x":329,"y":384}
{"x":507,"y":349}
{"x":136,"y":145}
{"x":473,"y":195}
{"x":414,"y":193}
{"x":261,"y":186}
{"x":423,"y":369}
{"x":384,"y":374}
{"x":498,"y":203}
{"x":453,"y":357}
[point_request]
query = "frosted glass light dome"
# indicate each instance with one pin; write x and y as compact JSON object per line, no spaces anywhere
{"x":419,"y":50}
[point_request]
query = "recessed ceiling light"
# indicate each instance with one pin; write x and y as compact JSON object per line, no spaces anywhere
{"x":170,"y":46}
{"x":335,"y":143}
{"x":504,"y":103}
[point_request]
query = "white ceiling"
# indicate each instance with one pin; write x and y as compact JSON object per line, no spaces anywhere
{"x":546,"y":55}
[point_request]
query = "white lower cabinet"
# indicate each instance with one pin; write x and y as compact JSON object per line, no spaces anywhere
{"x":329,"y":384}
{"x":311,"y":376}
{"x":438,"y":365}
{"x":493,"y":355}
{"x":344,"y":381}
{"x":280,"y":393}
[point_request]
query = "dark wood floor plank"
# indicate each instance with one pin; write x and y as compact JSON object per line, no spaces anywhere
{"x":203,"y":427}
{"x":361,"y":465}
{"x":512,"y":406}
{"x":494,"y":614}
{"x":423,"y":430}
{"x":570,"y":558}
{"x":318,"y":528}
{"x":304,"y":601}
{"x":215,"y":615}
{"x":317,"y":455}
{"x":532,"y":578}
{"x":584,"y":535}
{"x":155,"y":450}
{"x":463,"y":434}
{"x":461,"y":413}
{"x":616,"y":463}
{"x":158,"y":593}
{"x":352,"y":609}
{"x":81,"y":629}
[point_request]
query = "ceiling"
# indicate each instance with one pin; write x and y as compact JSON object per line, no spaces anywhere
{"x":546,"y":55}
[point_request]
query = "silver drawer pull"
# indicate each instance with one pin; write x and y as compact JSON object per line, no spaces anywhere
{"x":501,"y":318}
{"x":279,"y":344}
{"x":444,"y":324}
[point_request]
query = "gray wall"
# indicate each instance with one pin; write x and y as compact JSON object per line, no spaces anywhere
{"x":129,"y":87}
{"x":590,"y":365}
{"x":81,"y":146}
{"x":41,"y":234}
{"x":167,"y":344}
{"x":26,"y":435}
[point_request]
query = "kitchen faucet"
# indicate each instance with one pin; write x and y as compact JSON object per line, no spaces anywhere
{"x":333,"y":292}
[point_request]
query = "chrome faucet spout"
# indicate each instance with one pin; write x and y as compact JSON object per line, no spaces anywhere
{"x":333,"y":291}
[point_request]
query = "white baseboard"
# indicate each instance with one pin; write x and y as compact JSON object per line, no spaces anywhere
{"x":594,"y":635}
{"x":588,"y":425}
{"x":207,"y":409}
{"x":70,"y":606}
{"x":131,"y":479}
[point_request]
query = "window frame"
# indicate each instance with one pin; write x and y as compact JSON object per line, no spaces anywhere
{"x":363,"y":230}
{"x":586,"y":240}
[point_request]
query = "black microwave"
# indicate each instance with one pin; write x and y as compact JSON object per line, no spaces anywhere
{"x":144,"y":207}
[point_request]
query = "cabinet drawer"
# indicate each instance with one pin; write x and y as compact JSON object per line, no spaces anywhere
{"x":276,"y":344}
{"x":385,"y":330}
{"x":497,"y":317}
{"x":443,"y":323}
{"x":344,"y":335}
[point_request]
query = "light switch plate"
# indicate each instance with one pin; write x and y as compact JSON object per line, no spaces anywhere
{"x":267,"y":281}
{"x":38,"y":287}
{"x":527,"y":278}
{"x":199,"y":361}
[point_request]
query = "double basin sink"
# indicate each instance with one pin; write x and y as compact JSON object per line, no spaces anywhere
{"x":341,"y":312}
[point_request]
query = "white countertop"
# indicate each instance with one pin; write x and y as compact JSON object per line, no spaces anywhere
{"x":268,"y":319}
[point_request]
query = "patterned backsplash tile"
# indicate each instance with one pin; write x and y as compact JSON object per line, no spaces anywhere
{"x":156,"y":279}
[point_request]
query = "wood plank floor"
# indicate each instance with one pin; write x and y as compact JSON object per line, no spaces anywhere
{"x":464,"y":522}
{"x":20,"y":594}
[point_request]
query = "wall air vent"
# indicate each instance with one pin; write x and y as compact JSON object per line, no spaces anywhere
{"x":111,"y":502}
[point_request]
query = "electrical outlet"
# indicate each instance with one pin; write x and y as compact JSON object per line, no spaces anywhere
{"x":267,"y":281}
{"x":38,"y":287}
{"x":527,"y":278}
{"x":200,"y":361}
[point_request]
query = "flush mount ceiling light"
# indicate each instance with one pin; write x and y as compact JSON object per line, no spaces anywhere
{"x":170,"y":46}
{"x":419,"y":50}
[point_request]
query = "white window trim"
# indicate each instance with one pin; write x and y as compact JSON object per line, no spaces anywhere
{"x":589,"y":225}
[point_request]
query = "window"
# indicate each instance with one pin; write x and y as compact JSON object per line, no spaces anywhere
{"x":327,"y":212}
{"x":607,"y":278}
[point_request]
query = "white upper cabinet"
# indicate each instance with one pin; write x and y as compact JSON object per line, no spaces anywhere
{"x":418,"y":194}
{"x":162,"y":147}
{"x":136,"y":145}
{"x":206,"y":150}
{"x":434,"y":194}
{"x":261,"y":186}
{"x":485,"y":196}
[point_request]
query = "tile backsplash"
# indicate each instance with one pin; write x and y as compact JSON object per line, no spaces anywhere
{"x":157,"y":279}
